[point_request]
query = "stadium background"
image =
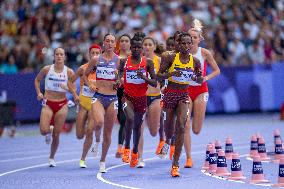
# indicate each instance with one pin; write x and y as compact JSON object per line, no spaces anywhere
{"x":246,"y":38}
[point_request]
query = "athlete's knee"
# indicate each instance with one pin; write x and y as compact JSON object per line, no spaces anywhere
{"x":99,"y":122}
{"x":44,"y":131}
{"x":80,"y":135}
{"x":196,"y":131}
{"x":153,"y":132}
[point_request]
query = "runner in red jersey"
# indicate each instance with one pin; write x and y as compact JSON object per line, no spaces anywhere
{"x":135,"y":70}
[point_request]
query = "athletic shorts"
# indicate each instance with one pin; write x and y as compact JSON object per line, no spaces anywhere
{"x":150,"y":99}
{"x":85,"y":102}
{"x":195,"y":91}
{"x":139,"y":102}
{"x":173,"y":97}
{"x":55,"y":106}
{"x":105,"y":100}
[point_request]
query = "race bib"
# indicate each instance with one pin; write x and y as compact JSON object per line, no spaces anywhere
{"x":115,"y":105}
{"x":124,"y":105}
{"x":86,"y":91}
{"x":184,"y":78}
{"x":131,"y":77}
{"x":105,"y":73}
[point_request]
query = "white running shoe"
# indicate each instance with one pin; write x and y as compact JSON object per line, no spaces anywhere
{"x":49,"y":135}
{"x":51,"y":163}
{"x":141,"y":163}
{"x":102,"y":167}
{"x":95,"y":149}
{"x":82,"y":164}
{"x":164,"y":151}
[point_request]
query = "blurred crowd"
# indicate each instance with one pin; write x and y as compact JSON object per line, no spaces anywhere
{"x":238,"y":32}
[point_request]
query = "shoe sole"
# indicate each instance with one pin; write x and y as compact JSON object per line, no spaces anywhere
{"x":187,"y":166}
{"x":175,"y":175}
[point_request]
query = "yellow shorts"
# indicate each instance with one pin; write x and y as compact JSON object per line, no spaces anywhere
{"x":85,"y":102}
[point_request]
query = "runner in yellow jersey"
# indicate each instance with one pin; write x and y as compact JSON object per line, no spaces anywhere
{"x":86,"y":94}
{"x":180,"y":69}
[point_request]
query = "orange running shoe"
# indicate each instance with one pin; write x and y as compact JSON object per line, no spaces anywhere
{"x":119,"y":152}
{"x":125,"y":155}
{"x":160,"y":146}
{"x":134,"y":159}
{"x":172,"y":151}
{"x":174,"y":171}
{"x":188,"y":163}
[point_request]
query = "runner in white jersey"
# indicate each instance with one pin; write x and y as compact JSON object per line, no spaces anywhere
{"x":58,"y":79}
{"x":198,"y":93}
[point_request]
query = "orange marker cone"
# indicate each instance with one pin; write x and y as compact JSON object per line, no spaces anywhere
{"x":280,"y":174}
{"x":229,"y":148}
{"x":222,"y":165}
{"x":218,"y":145}
{"x":279,"y":153}
{"x":258,"y":135}
{"x":236,"y":168}
{"x":257,"y":172}
{"x":253,"y":146}
{"x":212,"y":161}
{"x":206,"y":163}
{"x":262,"y":149}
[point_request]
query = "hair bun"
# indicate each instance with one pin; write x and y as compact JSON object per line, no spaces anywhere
{"x":197,"y":25}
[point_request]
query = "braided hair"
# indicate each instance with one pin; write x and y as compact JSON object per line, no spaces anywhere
{"x":138,"y":36}
{"x":181,"y":35}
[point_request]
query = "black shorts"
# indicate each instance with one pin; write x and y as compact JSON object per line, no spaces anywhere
{"x":150,"y":99}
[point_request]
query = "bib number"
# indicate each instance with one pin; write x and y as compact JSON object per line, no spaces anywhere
{"x":86,"y":91}
{"x":105,"y":73}
{"x":115,"y":105}
{"x":131,"y":77}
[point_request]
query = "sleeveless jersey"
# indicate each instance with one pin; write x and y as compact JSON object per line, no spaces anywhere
{"x":84,"y":89}
{"x":133,"y":85}
{"x":54,"y":80}
{"x":107,"y":70}
{"x":199,"y":56}
{"x":186,"y":69}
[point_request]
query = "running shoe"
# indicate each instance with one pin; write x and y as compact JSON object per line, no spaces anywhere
{"x":188,"y":163}
{"x":95,"y":149}
{"x":102,"y":167}
{"x":134,"y":159}
{"x":160,"y":146}
{"x":164,"y":151}
{"x":125,"y":156}
{"x":49,"y":135}
{"x":174,"y":171}
{"x":119,"y":152}
{"x":141,"y":163}
{"x":51,"y":163}
{"x":83,"y":164}
{"x":172,"y":151}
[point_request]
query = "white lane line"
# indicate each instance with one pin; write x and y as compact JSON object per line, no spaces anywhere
{"x":77,"y":159}
{"x":59,"y":162}
{"x":99,"y":175}
{"x":226,"y":179}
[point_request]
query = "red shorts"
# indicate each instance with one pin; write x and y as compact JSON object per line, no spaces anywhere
{"x":173,"y":97}
{"x":55,"y":106}
{"x":195,"y":91}
{"x":139,"y":102}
